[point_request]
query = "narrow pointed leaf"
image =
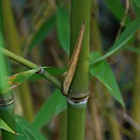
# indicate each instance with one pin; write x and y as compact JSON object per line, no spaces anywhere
{"x":104,"y":74}
{"x":114,"y":6}
{"x":133,"y":49}
{"x":4,"y":126}
{"x":63,"y":28}
{"x":53,"y":106}
{"x":17,"y":79}
{"x":137,"y":2}
{"x":123,"y":39}
{"x":136,"y":8}
{"x":27,"y":130}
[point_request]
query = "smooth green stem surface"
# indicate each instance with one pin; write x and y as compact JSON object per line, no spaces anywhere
{"x":7,"y":114}
{"x":80,"y":11}
{"x":136,"y":90}
{"x":32,"y":65}
{"x":13,"y":42}
{"x":6,"y":104}
{"x":76,"y":122}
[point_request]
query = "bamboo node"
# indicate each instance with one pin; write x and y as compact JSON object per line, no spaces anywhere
{"x":6,"y":102}
{"x":78,"y":103}
{"x":78,"y":100}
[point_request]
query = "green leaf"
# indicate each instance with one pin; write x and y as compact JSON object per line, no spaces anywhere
{"x":52,"y":107}
{"x":103,"y":72}
{"x":63,"y":28}
{"x":4,"y":126}
{"x":27,"y":130}
{"x":137,"y":2}
{"x":123,"y":39}
{"x":136,"y":8}
{"x":117,"y":9}
{"x":17,"y":79}
{"x":43,"y":32}
{"x":133,"y":49}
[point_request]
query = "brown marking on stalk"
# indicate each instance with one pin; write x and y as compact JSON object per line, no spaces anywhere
{"x":73,"y":61}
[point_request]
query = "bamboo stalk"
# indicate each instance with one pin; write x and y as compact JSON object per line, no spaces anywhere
{"x":94,"y":112}
{"x":96,"y":45}
{"x":7,"y":114}
{"x":136,"y":91}
{"x":14,"y":43}
{"x":6,"y":100}
{"x":80,"y":11}
{"x":76,"y":122}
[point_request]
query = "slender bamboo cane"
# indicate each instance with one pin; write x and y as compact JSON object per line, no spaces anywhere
{"x":14,"y":43}
{"x":136,"y":92}
{"x":6,"y":100}
{"x":96,"y":45}
{"x":7,"y":114}
{"x":80,"y":11}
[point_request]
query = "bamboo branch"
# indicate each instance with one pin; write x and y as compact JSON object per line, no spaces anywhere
{"x":32,"y":65}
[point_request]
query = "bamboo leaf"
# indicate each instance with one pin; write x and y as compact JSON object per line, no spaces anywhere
{"x":27,"y":130}
{"x":17,"y":79}
{"x":73,"y":61}
{"x":114,"y":6}
{"x":103,"y":72}
{"x":52,"y":107}
{"x":136,"y":8}
{"x":137,"y":2}
{"x":123,"y":39}
{"x":4,"y":126}
{"x":42,"y":33}
{"x":133,"y":49}
{"x":63,"y":28}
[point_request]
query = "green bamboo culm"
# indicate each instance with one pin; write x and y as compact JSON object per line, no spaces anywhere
{"x":79,"y":89}
{"x":14,"y":42}
{"x":80,"y":11}
{"x":6,"y":100}
{"x":136,"y":90}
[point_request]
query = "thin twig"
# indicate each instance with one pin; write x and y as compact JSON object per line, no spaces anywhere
{"x":123,"y":19}
{"x":129,"y":119}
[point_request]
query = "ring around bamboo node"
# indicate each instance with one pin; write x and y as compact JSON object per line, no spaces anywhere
{"x":41,"y":70}
{"x":80,"y":103}
{"x":6,"y":102}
